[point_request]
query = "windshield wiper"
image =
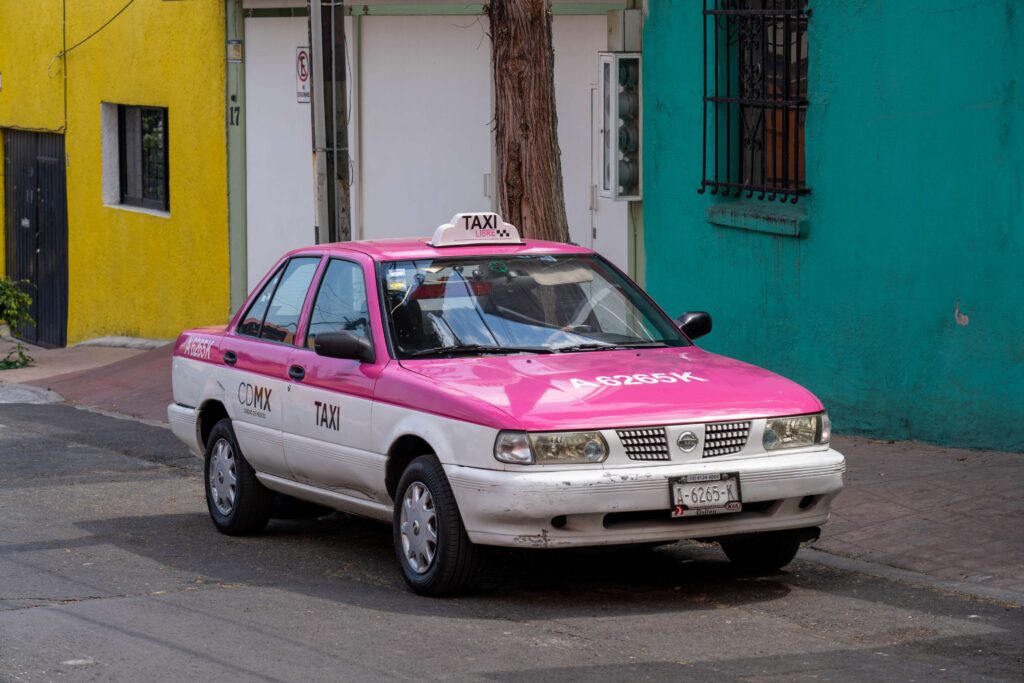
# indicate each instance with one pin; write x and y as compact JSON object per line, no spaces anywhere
{"x":477,"y":348}
{"x":609,"y":347}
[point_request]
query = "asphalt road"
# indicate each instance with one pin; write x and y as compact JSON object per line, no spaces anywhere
{"x":111,"y":571}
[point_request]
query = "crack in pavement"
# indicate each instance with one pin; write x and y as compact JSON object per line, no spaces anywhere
{"x":51,"y":601}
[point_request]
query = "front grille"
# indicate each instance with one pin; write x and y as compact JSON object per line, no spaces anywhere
{"x":724,"y":438}
{"x":649,"y":443}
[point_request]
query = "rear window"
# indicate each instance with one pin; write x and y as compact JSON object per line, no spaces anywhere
{"x":279,"y":305}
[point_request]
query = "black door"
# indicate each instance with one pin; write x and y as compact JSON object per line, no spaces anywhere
{"x":36,"y":230}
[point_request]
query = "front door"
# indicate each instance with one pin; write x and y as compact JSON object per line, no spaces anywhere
{"x":327,"y":440}
{"x":36,"y":230}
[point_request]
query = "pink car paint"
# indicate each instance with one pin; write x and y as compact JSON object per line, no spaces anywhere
{"x":542,"y":392}
{"x":538,"y":394}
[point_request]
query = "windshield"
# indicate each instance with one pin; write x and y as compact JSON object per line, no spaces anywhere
{"x":517,"y":304}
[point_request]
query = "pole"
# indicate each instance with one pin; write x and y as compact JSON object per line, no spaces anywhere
{"x":330,"y":120}
{"x":320,"y":191}
{"x":336,"y":99}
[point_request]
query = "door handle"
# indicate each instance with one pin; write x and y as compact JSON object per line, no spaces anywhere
{"x":296,"y":372}
{"x":230,"y":358}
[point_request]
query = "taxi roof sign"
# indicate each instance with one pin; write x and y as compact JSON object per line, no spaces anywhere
{"x":475,"y":228}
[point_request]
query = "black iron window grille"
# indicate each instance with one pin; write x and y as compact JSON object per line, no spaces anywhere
{"x":755,"y":98}
{"x":142,"y":147}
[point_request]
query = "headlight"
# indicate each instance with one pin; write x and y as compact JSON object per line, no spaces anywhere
{"x":550,"y":448}
{"x":513,"y":447}
{"x":569,"y":447}
{"x":797,"y":431}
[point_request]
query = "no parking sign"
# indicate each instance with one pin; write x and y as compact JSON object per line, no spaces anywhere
{"x":302,"y":74}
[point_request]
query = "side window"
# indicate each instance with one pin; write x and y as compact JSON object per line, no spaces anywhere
{"x":282,"y":317}
{"x":253,"y":320}
{"x":340,"y":303}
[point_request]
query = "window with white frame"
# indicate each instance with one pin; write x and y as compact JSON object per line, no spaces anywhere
{"x":135,"y":156}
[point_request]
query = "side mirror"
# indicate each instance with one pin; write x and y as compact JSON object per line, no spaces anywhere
{"x":343,"y":345}
{"x":694,"y":324}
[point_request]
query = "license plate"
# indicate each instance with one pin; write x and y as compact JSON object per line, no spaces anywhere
{"x":705,"y":494}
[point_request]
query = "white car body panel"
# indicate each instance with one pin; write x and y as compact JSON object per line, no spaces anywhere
{"x":501,"y":504}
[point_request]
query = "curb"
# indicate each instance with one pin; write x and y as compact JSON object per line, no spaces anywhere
{"x":120,"y":416}
{"x":26,"y":393}
{"x":884,"y":571}
{"x":140,"y":343}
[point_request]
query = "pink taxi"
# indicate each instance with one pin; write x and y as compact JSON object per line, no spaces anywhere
{"x":478,"y":389}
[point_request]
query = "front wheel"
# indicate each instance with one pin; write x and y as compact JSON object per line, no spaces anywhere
{"x":435,"y":554}
{"x":762,"y":553}
{"x":239,"y":504}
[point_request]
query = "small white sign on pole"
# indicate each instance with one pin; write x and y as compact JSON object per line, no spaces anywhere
{"x":302,"y":74}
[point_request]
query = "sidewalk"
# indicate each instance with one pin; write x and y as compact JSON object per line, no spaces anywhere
{"x":129,"y":381}
{"x":952,"y":514}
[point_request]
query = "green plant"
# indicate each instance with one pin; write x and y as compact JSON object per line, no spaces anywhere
{"x":14,"y":310}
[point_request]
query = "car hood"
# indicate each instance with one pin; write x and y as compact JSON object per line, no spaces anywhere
{"x":605,"y":389}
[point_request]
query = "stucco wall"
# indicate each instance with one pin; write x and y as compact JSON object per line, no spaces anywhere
{"x":32,"y":95}
{"x":31,"y":83}
{"x":915,"y":142}
{"x":131,"y":272}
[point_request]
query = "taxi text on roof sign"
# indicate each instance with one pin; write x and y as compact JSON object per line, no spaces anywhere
{"x":475,"y":228}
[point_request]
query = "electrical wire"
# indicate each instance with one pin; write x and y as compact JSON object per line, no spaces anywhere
{"x":88,"y":37}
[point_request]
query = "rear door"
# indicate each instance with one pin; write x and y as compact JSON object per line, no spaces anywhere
{"x":255,"y":357}
{"x":327,"y":418}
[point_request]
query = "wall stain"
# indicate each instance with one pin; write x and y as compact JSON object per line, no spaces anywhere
{"x":961,"y":318}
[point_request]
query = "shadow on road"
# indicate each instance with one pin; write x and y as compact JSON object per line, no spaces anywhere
{"x":343,"y":558}
{"x":980,"y":657}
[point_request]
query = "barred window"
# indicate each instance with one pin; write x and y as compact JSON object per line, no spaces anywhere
{"x":142,"y":142}
{"x":755,"y":98}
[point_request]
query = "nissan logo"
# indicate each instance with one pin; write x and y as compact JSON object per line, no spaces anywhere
{"x":687,"y":441}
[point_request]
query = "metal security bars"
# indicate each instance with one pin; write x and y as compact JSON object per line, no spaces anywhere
{"x":755,"y":98}
{"x":143,"y":156}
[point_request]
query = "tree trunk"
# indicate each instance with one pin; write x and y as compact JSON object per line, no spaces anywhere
{"x":526,"y":125}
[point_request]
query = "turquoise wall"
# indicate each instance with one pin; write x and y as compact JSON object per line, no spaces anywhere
{"x":915,"y":145}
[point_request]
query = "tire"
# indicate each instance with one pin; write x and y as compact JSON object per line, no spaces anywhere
{"x":762,"y":553}
{"x":435,"y":554}
{"x":237,"y":507}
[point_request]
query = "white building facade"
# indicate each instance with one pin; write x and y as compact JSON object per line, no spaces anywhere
{"x":420,"y":128}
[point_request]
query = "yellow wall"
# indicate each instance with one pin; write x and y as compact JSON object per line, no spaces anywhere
{"x":131,"y":272}
{"x":31,"y":98}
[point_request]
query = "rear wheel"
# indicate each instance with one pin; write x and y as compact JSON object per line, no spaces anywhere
{"x":239,"y":504}
{"x":762,"y":553}
{"x":435,"y":553}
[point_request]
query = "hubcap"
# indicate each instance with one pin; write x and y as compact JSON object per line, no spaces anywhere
{"x":223,"y":481}
{"x":418,"y":527}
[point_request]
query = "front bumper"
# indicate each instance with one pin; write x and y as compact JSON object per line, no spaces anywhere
{"x":631,"y":505}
